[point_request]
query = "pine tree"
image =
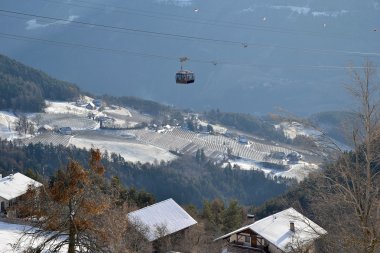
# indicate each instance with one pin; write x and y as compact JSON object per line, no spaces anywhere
{"x":232,"y":217}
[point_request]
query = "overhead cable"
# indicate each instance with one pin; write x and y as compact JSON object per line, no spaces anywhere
{"x":182,"y":36}
{"x":165,"y":57}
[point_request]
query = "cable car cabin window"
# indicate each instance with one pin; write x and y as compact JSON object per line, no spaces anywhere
{"x":184,"y":77}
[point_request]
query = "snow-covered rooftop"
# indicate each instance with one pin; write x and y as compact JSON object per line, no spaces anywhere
{"x":15,"y":185}
{"x":276,"y":229}
{"x":166,"y":214}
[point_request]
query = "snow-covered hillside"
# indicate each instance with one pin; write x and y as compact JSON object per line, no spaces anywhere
{"x":148,"y":145}
{"x":133,"y":152}
{"x":294,"y":129}
{"x":298,"y":171}
{"x":7,"y":121}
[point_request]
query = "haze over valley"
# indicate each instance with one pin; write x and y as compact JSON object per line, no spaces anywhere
{"x":248,"y":56}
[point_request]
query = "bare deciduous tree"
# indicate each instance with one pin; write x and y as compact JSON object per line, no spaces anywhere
{"x":349,"y":197}
{"x":68,"y":212}
{"x":23,"y":125}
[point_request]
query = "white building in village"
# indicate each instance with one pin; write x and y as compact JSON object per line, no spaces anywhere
{"x":161,"y":219}
{"x":12,"y":187}
{"x":284,"y":232}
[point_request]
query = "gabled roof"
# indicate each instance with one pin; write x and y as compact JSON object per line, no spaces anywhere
{"x":276,"y":229}
{"x":166,"y":214}
{"x":15,"y":185}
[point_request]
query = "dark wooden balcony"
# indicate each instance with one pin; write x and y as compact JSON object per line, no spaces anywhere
{"x":238,"y":248}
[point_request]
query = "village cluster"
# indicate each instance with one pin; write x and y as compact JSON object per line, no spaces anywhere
{"x":281,"y":232}
{"x":90,"y":122}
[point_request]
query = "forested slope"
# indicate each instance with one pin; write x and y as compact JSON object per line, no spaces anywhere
{"x":23,"y":88}
{"x":186,"y":180}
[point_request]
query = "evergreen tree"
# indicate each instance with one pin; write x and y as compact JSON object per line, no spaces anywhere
{"x":232,"y":217}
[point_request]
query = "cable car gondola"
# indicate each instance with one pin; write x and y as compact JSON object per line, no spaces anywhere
{"x":184,"y":76}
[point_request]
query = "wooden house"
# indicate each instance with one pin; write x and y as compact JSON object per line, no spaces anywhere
{"x":65,"y":130}
{"x":162,"y":219}
{"x":284,"y":232}
{"x":90,"y":106}
{"x":12,"y":187}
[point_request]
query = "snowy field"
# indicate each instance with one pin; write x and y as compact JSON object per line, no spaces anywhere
{"x":299,"y":171}
{"x":132,"y":152}
{"x":118,"y":112}
{"x":294,"y":129}
{"x":65,"y":107}
{"x":143,"y":145}
{"x":76,"y":122}
{"x":9,"y":234}
{"x":7,"y":121}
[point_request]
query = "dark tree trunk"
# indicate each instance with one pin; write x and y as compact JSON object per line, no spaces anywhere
{"x":72,"y":234}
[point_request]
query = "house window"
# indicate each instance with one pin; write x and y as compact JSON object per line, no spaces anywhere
{"x":247,"y":239}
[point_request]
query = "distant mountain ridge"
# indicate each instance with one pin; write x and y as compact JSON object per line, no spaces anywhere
{"x":23,"y":88}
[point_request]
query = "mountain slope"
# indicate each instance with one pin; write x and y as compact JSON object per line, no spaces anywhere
{"x":26,"y":89}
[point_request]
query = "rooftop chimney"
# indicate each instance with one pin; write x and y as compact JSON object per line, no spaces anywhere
{"x":292,"y":228}
{"x":251,"y":217}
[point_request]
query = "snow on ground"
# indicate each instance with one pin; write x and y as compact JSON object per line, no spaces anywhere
{"x":67,"y":107}
{"x":9,"y":234}
{"x":76,"y":122}
{"x":120,"y":111}
{"x":293,"y":129}
{"x":132,"y":152}
{"x":246,"y":164}
{"x":217,"y":128}
{"x":298,"y":171}
{"x":7,"y":121}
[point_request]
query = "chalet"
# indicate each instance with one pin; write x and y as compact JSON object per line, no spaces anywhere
{"x":65,"y":130}
{"x":90,"y":106}
{"x":12,"y":187}
{"x":45,"y":129}
{"x":283,"y":232}
{"x":162,"y":219}
{"x":293,"y":157}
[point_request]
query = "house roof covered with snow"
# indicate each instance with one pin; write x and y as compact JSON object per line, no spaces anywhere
{"x":161,"y":219}
{"x":15,"y":185}
{"x":276,"y":229}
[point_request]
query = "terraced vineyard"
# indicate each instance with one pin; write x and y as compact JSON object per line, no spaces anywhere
{"x":76,"y":122}
{"x":215,"y":146}
{"x":173,"y":139}
{"x":50,"y":138}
